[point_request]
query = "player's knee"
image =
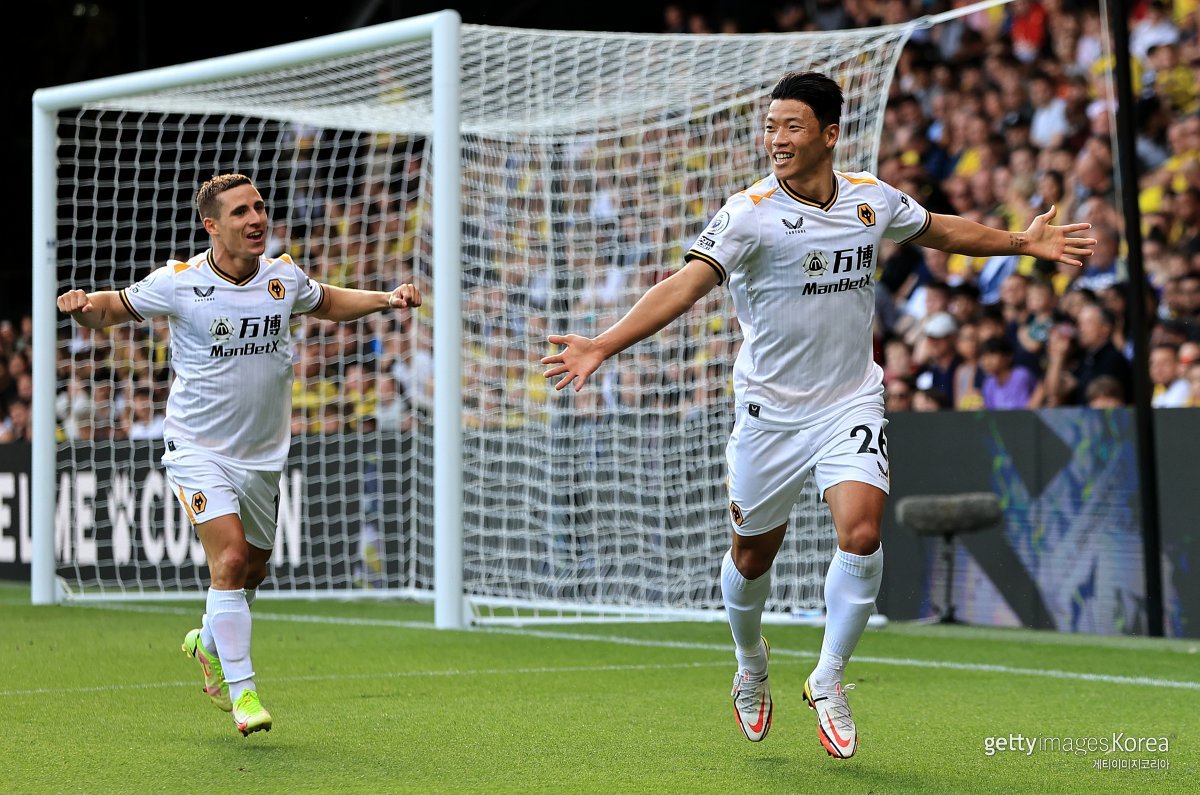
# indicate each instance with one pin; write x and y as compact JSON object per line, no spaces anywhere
{"x":861,"y":538}
{"x":752,"y":562}
{"x":229,"y":569}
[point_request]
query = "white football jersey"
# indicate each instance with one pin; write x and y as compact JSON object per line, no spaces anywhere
{"x":231,"y":353}
{"x":801,"y":273}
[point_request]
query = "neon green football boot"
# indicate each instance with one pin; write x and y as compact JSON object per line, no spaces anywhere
{"x":249,"y":715}
{"x":214,"y":678}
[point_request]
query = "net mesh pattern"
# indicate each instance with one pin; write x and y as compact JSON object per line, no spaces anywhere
{"x":590,"y":163}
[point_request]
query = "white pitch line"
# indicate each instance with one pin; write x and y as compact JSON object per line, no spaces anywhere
{"x":380,"y":675}
{"x":1077,"y":676}
{"x":261,"y":616}
{"x":954,"y":666}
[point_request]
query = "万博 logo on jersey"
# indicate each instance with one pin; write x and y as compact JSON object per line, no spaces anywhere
{"x":815,"y":264}
{"x":794,"y":227}
{"x":719,"y":224}
{"x":221,"y":329}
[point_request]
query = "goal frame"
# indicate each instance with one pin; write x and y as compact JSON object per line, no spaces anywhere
{"x":443,"y":29}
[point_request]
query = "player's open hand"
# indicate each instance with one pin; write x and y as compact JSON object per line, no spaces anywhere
{"x":1055,"y":243}
{"x":575,"y":362}
{"x":74,"y":301}
{"x":404,"y":295}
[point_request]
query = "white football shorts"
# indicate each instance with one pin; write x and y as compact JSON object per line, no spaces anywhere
{"x":768,"y":462}
{"x":209,"y":487}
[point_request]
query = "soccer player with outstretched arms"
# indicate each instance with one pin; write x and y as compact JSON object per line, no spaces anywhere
{"x":798,"y":252}
{"x":228,"y":413}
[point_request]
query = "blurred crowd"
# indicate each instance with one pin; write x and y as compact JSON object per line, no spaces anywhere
{"x":16,"y":379}
{"x":995,"y":116}
{"x":998,"y":116}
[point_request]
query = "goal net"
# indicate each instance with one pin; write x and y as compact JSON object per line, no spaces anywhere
{"x":590,"y":162}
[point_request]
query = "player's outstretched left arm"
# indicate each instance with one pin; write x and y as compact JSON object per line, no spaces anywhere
{"x":661,"y":304}
{"x":1042,"y":239}
{"x":342,"y":304}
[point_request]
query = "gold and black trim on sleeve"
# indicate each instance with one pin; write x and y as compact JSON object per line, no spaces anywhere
{"x":919,"y":232}
{"x":319,"y":303}
{"x":129,"y":307}
{"x":722,"y":275}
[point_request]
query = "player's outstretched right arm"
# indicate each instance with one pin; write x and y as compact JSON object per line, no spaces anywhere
{"x":94,"y":310}
{"x":661,"y":304}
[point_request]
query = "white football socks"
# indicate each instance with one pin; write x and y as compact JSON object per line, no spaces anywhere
{"x":206,"y":635}
{"x":228,"y":616}
{"x":850,"y":590}
{"x":744,"y":602}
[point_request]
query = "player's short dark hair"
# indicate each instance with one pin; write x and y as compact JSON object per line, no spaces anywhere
{"x":814,"y":89}
{"x":207,"y":202}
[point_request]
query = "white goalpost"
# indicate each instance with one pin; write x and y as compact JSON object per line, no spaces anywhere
{"x":435,"y":116}
{"x":533,"y":182}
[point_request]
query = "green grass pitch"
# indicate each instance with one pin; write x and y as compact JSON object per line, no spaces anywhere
{"x":368,"y":697}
